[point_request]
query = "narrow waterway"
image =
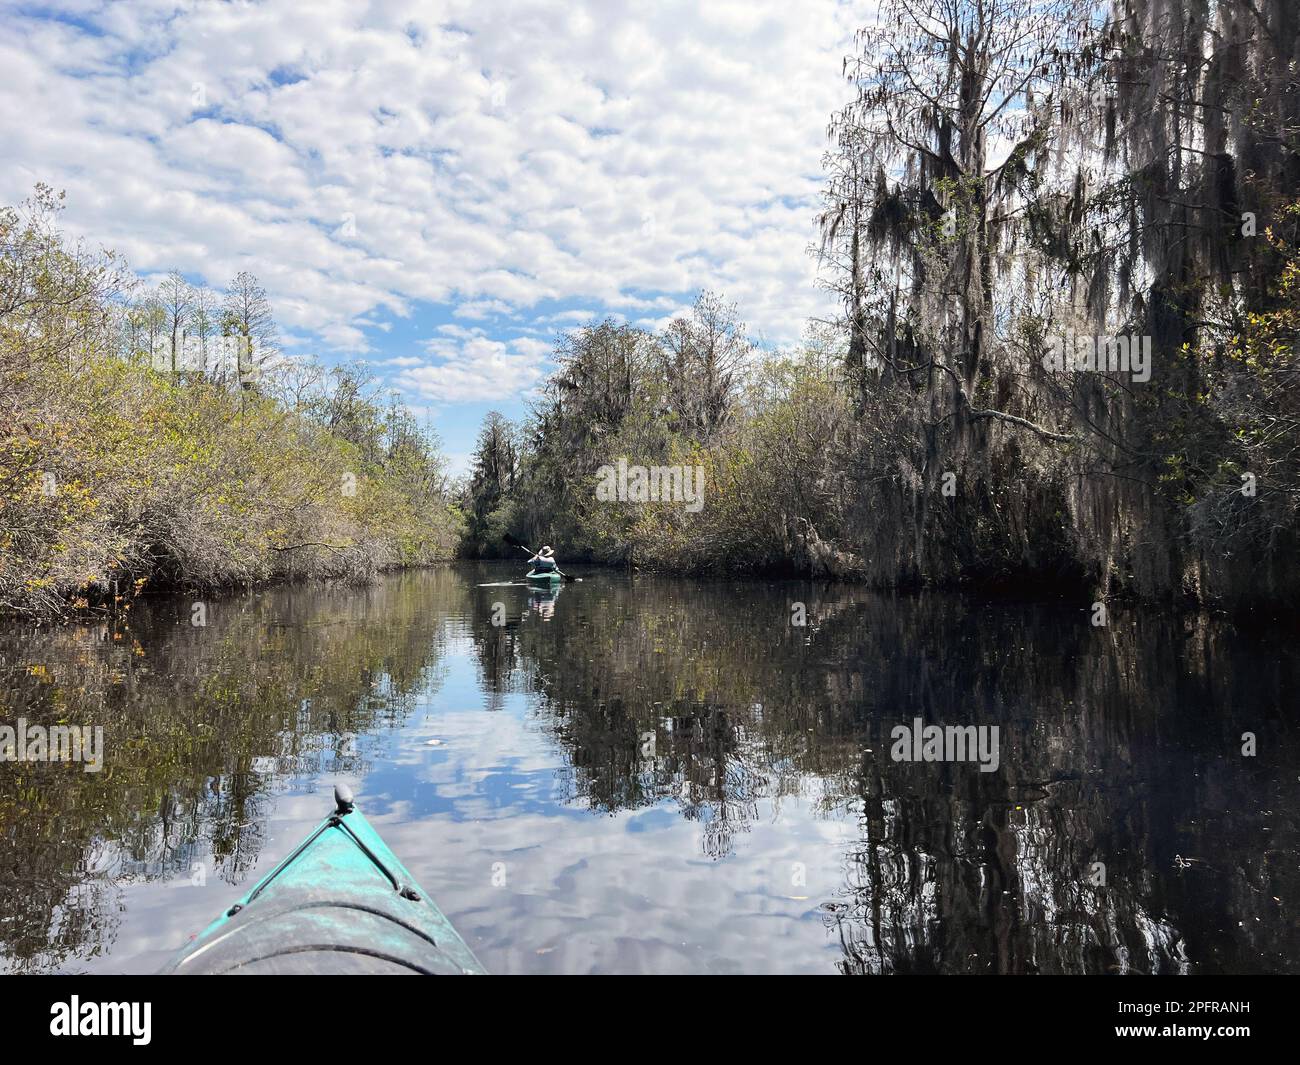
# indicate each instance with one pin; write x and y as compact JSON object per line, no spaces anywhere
{"x":641,"y":774}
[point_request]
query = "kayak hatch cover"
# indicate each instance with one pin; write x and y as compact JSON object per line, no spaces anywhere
{"x":340,"y":903}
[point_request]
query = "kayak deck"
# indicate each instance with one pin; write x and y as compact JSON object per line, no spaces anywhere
{"x":340,"y":903}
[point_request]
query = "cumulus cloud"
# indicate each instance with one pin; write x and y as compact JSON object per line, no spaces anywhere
{"x":476,"y":309}
{"x":469,"y":366}
{"x":375,"y":159}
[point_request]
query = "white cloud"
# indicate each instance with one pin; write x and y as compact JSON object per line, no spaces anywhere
{"x":370,"y":159}
{"x":478,"y":309}
{"x":471,"y":367}
{"x":577,"y":316}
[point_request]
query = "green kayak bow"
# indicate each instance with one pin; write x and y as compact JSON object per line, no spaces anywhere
{"x":340,"y":903}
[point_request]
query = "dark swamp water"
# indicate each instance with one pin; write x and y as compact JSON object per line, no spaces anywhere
{"x":656,"y":775}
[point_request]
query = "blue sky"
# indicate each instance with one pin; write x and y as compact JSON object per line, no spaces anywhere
{"x":438,"y":188}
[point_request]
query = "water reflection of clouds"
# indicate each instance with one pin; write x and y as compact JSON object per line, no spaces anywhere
{"x":580,"y":897}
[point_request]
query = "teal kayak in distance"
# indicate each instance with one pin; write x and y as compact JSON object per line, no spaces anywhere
{"x":544,"y":577}
{"x":340,"y":903}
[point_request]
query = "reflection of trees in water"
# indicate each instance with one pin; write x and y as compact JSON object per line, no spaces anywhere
{"x":726,"y":805}
{"x":936,"y":888}
{"x":1118,"y":749}
{"x":1119,"y":746}
{"x":201,"y":726}
{"x":651,"y":698}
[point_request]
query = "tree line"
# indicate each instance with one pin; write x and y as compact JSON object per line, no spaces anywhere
{"x":119,"y":473}
{"x":1007,"y":178}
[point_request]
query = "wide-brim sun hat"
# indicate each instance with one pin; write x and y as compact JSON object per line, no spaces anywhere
{"x":546,"y":552}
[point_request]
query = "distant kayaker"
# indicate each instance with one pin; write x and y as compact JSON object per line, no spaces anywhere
{"x":544,"y":561}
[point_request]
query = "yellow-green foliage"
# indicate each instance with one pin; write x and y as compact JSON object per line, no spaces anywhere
{"x":775,"y":477}
{"x":113,"y":474}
